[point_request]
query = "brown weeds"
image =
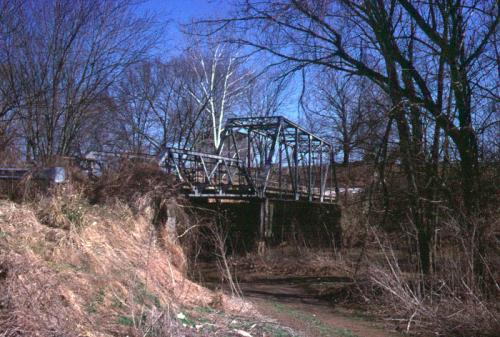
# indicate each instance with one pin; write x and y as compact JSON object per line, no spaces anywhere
{"x":71,"y":268}
{"x":447,"y":303}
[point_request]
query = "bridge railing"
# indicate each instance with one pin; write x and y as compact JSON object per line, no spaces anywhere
{"x":208,"y":174}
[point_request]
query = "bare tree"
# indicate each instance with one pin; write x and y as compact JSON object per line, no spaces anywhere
{"x":221,"y":82}
{"x":69,"y":53}
{"x":265,"y":95}
{"x":9,"y":24}
{"x":349,"y":110}
{"x":157,"y":108}
{"x":136,"y":129}
{"x":431,"y":58}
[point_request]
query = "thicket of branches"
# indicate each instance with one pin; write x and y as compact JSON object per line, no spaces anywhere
{"x":410,"y":88}
{"x":409,"y":82}
{"x":77,"y":76}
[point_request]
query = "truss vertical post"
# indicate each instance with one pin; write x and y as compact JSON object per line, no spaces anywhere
{"x":249,"y":149}
{"x":280,"y":159}
{"x":269,"y":159}
{"x":290,"y":166}
{"x":334,"y":176}
{"x":235,"y":146}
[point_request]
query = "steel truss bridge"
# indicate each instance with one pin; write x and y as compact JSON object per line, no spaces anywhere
{"x":258,"y":157}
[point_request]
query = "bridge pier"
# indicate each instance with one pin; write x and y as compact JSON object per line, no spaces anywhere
{"x":265,"y":225}
{"x":257,"y":224}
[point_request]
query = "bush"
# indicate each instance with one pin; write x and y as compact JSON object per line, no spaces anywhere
{"x":447,"y":303}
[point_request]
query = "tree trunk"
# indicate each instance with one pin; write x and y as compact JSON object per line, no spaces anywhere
{"x":346,"y":155}
{"x":424,"y":244}
{"x":469,"y":166}
{"x":468,"y":150}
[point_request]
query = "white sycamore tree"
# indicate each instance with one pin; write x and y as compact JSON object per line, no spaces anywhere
{"x":221,"y":82}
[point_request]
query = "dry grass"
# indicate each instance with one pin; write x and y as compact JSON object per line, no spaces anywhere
{"x":448,"y":302}
{"x":130,"y":182}
{"x":290,"y":260}
{"x":9,"y":156}
{"x":72,"y":268}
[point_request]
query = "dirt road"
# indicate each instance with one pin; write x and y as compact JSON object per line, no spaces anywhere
{"x":289,"y":302}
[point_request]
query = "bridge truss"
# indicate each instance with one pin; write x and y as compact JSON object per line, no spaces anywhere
{"x":258,"y":157}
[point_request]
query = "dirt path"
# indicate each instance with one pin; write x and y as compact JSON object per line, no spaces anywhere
{"x":288,"y":301}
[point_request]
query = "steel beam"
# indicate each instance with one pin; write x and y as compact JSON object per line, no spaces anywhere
{"x":260,"y":142}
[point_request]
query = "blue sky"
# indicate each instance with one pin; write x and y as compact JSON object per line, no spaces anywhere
{"x":183,"y":10}
{"x":178,"y":12}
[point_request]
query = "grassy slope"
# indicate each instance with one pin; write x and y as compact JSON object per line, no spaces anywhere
{"x":68,"y":268}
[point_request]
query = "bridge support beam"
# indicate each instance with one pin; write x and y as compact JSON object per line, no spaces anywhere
{"x":266,"y":217}
{"x":257,"y":224}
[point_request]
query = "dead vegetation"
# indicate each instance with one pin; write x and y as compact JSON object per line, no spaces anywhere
{"x":94,"y":269}
{"x":289,"y":260}
{"x":449,"y":302}
{"x":73,"y":265}
{"x":375,"y":273}
{"x":100,"y":258}
{"x":130,"y":181}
